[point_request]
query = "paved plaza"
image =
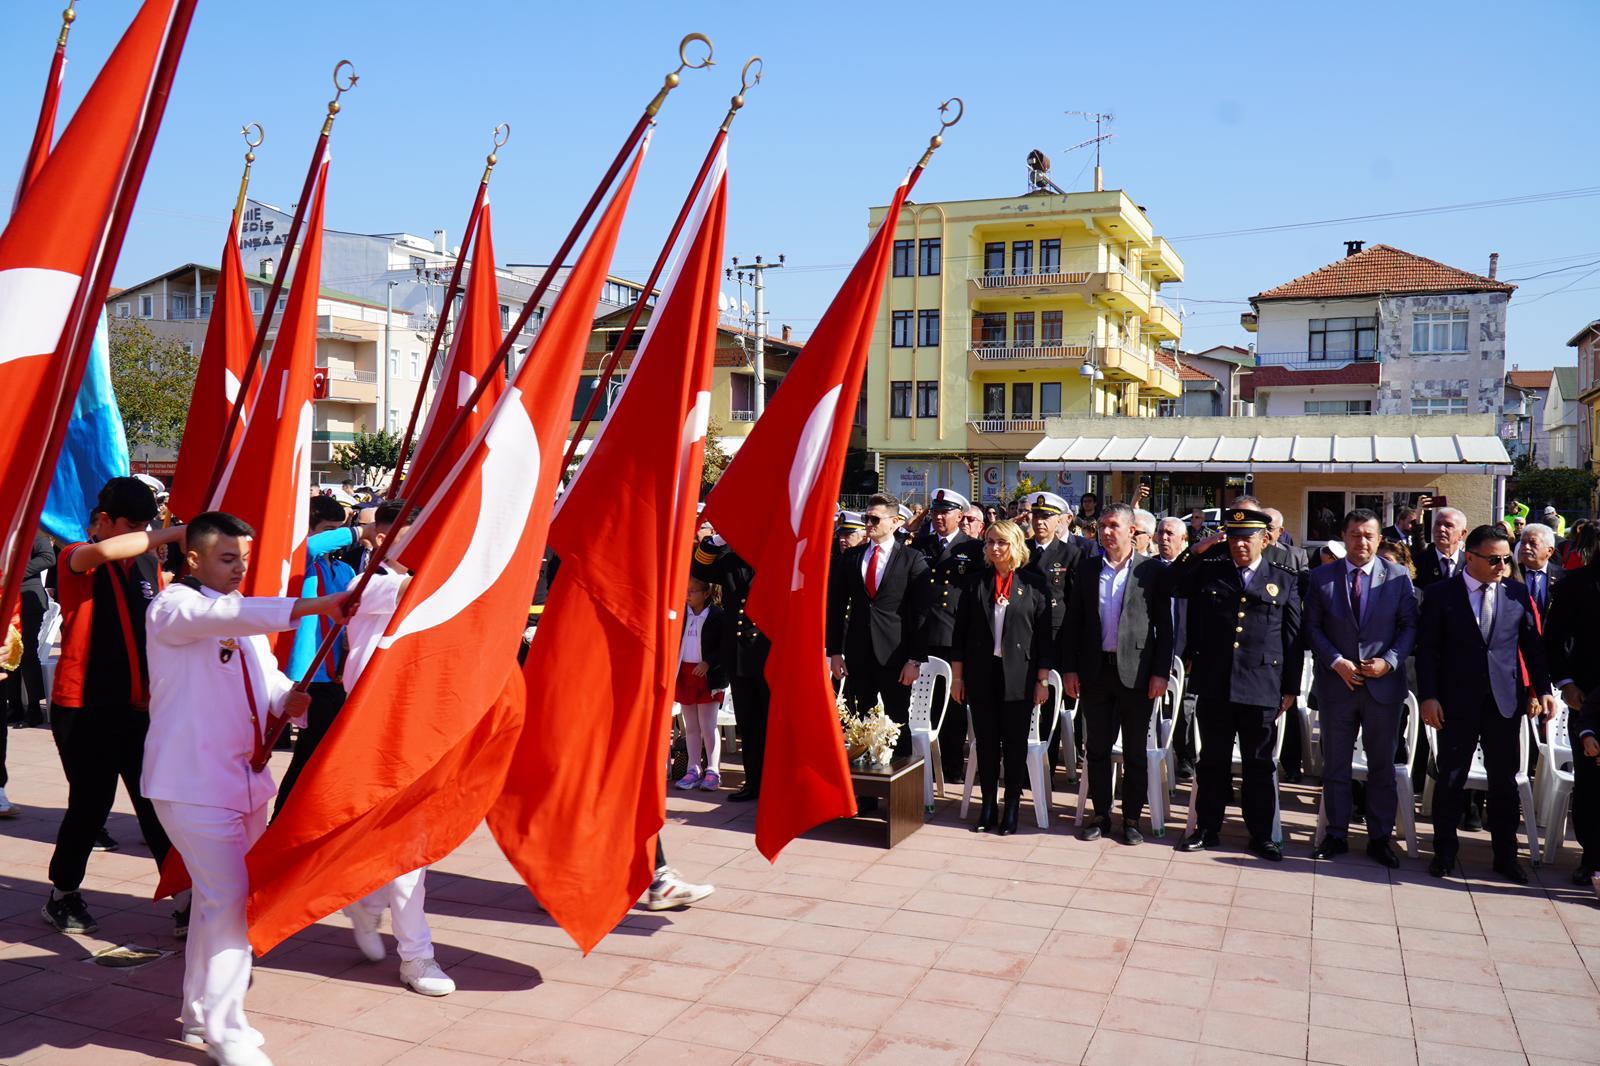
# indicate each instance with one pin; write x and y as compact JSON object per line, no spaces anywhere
{"x":950,"y":949}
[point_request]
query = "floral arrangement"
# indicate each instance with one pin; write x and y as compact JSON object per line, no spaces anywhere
{"x":871,"y":734}
{"x":11,"y":650}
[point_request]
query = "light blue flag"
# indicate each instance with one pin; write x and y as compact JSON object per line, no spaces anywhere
{"x":94,"y":451}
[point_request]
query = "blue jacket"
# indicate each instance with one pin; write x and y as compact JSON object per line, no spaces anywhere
{"x":1454,"y":664}
{"x":1387,"y":629}
{"x":323,"y":575}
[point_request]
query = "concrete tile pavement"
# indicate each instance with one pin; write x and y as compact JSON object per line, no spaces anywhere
{"x":950,"y":949}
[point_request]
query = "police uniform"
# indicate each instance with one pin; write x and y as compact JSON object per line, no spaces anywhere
{"x":1244,"y":633}
{"x":953,"y":562}
{"x":1055,"y":562}
{"x":743,"y":654}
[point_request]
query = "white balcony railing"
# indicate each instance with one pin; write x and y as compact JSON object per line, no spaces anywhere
{"x":741,"y":416}
{"x":985,"y":424}
{"x":1021,"y":279}
{"x":366,"y":377}
{"x":999,"y":352}
{"x":1315,"y":360}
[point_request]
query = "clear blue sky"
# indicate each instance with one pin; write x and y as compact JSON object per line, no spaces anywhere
{"x":1228,"y":117}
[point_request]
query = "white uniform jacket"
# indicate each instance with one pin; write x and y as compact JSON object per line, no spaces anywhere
{"x":199,"y":644}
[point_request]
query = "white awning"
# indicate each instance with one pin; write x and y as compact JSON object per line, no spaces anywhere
{"x":1310,"y":454}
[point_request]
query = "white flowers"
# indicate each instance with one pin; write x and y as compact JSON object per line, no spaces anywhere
{"x":872,"y":732}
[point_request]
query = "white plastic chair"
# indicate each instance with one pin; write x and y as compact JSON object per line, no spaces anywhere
{"x":1238,"y":769}
{"x":1046,"y":719}
{"x":1157,"y":760}
{"x":1406,"y":807}
{"x":925,"y":721}
{"x":1553,"y":784}
{"x":49,"y":654}
{"x":1310,"y":724}
{"x":1067,"y":730}
{"x":1478,"y":778}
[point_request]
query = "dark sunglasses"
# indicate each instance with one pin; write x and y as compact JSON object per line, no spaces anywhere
{"x":872,"y":519}
{"x":1495,"y":560}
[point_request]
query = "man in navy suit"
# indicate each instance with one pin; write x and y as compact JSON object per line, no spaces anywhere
{"x":1361,"y":623}
{"x":1480,"y":668}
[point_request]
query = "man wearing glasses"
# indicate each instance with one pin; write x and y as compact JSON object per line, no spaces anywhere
{"x":953,"y":552}
{"x":1478,"y":634}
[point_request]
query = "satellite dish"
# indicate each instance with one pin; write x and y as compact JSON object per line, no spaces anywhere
{"x":744,"y":308}
{"x":723,"y":303}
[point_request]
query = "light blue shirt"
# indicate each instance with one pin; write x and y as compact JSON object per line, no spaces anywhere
{"x":1113,"y":586}
{"x":307,"y":635}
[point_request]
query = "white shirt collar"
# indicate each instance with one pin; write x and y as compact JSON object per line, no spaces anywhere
{"x":1106,"y":565}
{"x":1473,"y":584}
{"x":1371,"y":564}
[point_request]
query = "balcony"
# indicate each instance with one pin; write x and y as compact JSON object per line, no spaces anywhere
{"x":741,"y":416}
{"x":351,"y":386}
{"x":1005,"y":282}
{"x":1315,"y":360}
{"x":1002,"y":434}
{"x":998,"y":355}
{"x":1163,"y":382}
{"x":1163,"y":322}
{"x":1119,"y":363}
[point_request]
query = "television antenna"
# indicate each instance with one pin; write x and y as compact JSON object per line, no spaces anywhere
{"x":1101,"y":120}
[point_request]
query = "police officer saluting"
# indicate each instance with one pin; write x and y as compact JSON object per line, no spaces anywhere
{"x":1244,"y":631}
{"x":952,"y":558}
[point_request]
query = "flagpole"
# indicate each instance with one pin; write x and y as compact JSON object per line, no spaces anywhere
{"x":275,"y":725}
{"x":502,"y":133}
{"x":72,"y":350}
{"x":267,"y":312}
{"x":747,"y":81}
{"x":249,"y":160}
{"x":44,"y":129}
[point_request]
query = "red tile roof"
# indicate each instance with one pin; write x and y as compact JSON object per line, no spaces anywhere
{"x":1530,"y":379}
{"x":1380,"y":270}
{"x":1184,"y":372}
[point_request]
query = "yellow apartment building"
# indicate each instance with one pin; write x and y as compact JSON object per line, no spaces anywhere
{"x":1000,"y":313}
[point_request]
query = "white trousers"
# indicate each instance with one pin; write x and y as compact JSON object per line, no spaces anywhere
{"x":216,"y":965}
{"x":700,"y":731}
{"x":404,"y":896}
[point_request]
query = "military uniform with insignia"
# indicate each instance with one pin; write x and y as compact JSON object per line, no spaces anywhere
{"x":1056,"y":561}
{"x":953,"y":561}
{"x":743,"y":654}
{"x":1244,"y":634}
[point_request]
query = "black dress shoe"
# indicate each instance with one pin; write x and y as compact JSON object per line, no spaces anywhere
{"x":1330,"y":847}
{"x":1382,"y":852}
{"x":1131,"y":836}
{"x":1008,"y":817}
{"x":1582,"y":876}
{"x":988,"y":817}
{"x":744,"y":795}
{"x":1092,"y":831}
{"x":1267,"y":849}
{"x":1199,"y":840}
{"x":1472,"y":821}
{"x":103,"y":841}
{"x":1185,"y":771}
{"x":1512,"y":871}
{"x":1441,"y":867}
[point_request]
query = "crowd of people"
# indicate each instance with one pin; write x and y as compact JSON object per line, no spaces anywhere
{"x":165,"y":678}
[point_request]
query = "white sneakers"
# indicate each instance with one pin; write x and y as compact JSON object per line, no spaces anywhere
{"x":237,"y":1053}
{"x":364,"y":927}
{"x":670,"y":890}
{"x":6,"y":809}
{"x":425,"y":976}
{"x":195,"y":1036}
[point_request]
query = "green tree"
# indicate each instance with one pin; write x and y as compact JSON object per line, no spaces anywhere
{"x":368,"y":455}
{"x":153,"y":377}
{"x":716,"y":457}
{"x":1564,"y":486}
{"x":1026,"y":486}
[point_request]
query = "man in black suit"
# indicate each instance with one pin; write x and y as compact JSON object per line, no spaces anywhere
{"x":1289,"y":556}
{"x":743,"y":655}
{"x":877,"y":610}
{"x":1478,"y":635}
{"x":952,"y":557}
{"x":30,"y":706}
{"x":1405,"y":520}
{"x":1115,"y":653}
{"x":1535,"y":549}
{"x":1572,"y":647}
{"x":1436,"y":546}
{"x":1244,"y":631}
{"x":1051,"y":555}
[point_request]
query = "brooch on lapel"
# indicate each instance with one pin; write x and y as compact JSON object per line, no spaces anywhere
{"x":1272,"y":590}
{"x":226,"y":648}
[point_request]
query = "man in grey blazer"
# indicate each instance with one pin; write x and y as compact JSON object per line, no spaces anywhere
{"x":1361,"y":623}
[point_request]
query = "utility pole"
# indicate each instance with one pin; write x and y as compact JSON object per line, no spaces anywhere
{"x":755,"y":273}
{"x":383,"y":359}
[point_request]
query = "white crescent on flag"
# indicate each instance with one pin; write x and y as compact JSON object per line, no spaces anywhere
{"x":808,"y":455}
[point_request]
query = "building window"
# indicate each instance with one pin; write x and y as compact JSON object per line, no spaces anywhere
{"x":257,"y":300}
{"x":180,"y":307}
{"x":1446,"y":405}
{"x":1022,"y":329}
{"x":1049,"y":399}
{"x":927,"y":329}
{"x":205,"y":305}
{"x":1338,"y":407}
{"x":901,"y":337}
{"x":586,"y":388}
{"x":1022,"y":399}
{"x":1050,"y":256}
{"x":1168,"y":408}
{"x":283,"y":301}
{"x":743,"y":397}
{"x":1444,"y":331}
{"x":899,"y":399}
{"x":1344,"y":338}
{"x":416,"y":365}
{"x":1050,"y":329}
{"x":188,"y":347}
{"x":989,"y":330}
{"x":929,"y":256}
{"x":123,"y":310}
{"x":418,"y":263}
{"x":994,"y":259}
{"x":394,"y":420}
{"x":394,"y":362}
{"x":927,"y":399}
{"x":505,"y":317}
{"x":902,"y":258}
{"x":994,"y":401}
{"x":147,"y":307}
{"x":1021,"y":257}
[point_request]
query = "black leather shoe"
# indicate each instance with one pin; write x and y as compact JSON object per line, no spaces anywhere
{"x":1472,"y":821}
{"x":988,"y":815}
{"x":1131,"y":836}
{"x":1582,"y":876}
{"x":1441,"y":867}
{"x":1382,"y":852}
{"x":744,"y":795}
{"x":1008,"y":817}
{"x":1330,"y":847}
{"x":1185,"y":771}
{"x":1199,"y":840}
{"x":1512,"y":871}
{"x":1091,"y":831}
{"x":1267,"y":849}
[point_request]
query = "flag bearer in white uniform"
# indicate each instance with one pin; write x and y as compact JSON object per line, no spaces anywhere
{"x":214,"y":682}
{"x":404,"y":896}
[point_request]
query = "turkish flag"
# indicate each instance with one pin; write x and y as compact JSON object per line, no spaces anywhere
{"x":587,"y":789}
{"x":267,"y":481}
{"x":421,"y":747}
{"x":477,"y":339}
{"x":52,"y":241}
{"x":44,"y":129}
{"x":229,"y":336}
{"x":774,"y":505}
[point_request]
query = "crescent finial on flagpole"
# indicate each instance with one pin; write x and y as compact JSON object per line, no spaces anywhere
{"x":671,"y":81}
{"x":944,"y":123}
{"x":339,"y":89}
{"x":67,"y":18}
{"x":747,"y":81}
{"x":252,"y":142}
{"x":502,"y":134}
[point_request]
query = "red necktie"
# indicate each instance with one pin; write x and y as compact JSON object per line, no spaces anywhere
{"x":1355,"y":595}
{"x":872,"y":571}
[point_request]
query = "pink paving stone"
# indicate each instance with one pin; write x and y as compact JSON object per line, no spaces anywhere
{"x":1345,"y":1047}
{"x":910,"y":1051}
{"x":1112,"y":1048}
{"x":1386,"y":1018}
{"x":819,"y":1043}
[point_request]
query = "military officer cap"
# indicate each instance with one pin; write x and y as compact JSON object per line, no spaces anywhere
{"x":1047,"y":503}
{"x":948,"y":500}
{"x":1241,"y":522}
{"x":906,"y":512}
{"x":850,"y":521}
